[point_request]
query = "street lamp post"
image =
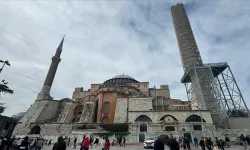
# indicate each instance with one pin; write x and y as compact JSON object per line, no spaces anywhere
{"x":6,"y":62}
{"x":201,"y":118}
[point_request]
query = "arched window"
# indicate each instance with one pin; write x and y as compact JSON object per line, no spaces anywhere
{"x":143,"y":128}
{"x":105,"y":120}
{"x":160,"y":103}
{"x":143,"y":118}
{"x":194,"y":118}
{"x":106,"y":107}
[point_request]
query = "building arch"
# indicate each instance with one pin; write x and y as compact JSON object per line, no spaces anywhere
{"x":194,"y":118}
{"x":143,"y":118}
{"x":35,"y":130}
{"x":163,"y":117}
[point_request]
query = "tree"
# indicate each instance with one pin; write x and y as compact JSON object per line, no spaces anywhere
{"x":4,"y":88}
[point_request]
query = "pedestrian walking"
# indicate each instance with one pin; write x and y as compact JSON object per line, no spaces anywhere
{"x":96,"y":142}
{"x":243,"y":141}
{"x":24,"y":144}
{"x":85,"y":144}
{"x":123,"y":141}
{"x":202,"y":143}
{"x":103,"y":141}
{"x":227,"y":144}
{"x":158,"y":144}
{"x":75,"y":140}
{"x":173,"y":144}
{"x":60,"y":144}
{"x":222,"y":144}
{"x":49,"y":144}
{"x":107,"y":144}
{"x":39,"y":144}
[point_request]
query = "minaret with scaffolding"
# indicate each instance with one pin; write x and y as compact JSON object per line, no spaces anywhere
{"x":209,"y":86}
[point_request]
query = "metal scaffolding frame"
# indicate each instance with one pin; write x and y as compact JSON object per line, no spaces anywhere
{"x":214,"y":87}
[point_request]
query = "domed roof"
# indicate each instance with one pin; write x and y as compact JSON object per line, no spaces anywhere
{"x":122,"y":76}
{"x":121,"y":79}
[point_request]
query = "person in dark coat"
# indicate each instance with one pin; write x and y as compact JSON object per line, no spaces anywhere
{"x":187,"y":143}
{"x":24,"y":144}
{"x":209,"y":143}
{"x":120,"y":140}
{"x":173,"y":144}
{"x":196,"y":142}
{"x":248,"y":139}
{"x":60,"y":144}
{"x":158,"y":145}
{"x":202,"y":143}
{"x":75,"y":140}
{"x":123,"y":141}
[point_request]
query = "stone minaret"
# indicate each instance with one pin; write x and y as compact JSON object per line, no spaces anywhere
{"x":45,"y":92}
{"x":188,"y":48}
{"x":202,"y":79}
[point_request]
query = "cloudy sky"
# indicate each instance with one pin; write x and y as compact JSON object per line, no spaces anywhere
{"x":107,"y":38}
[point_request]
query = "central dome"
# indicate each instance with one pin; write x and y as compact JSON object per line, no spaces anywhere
{"x":121,"y":79}
{"x":122,"y":76}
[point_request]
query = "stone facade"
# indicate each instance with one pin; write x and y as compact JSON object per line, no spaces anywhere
{"x":121,"y":110}
{"x":163,"y":91}
{"x":181,"y":116}
{"x":39,"y":111}
{"x":140,"y":104}
{"x":88,"y":113}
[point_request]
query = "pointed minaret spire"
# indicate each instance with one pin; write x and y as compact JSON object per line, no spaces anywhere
{"x":45,"y":92}
{"x":59,"y":48}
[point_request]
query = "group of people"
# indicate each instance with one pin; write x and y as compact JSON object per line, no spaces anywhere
{"x":26,"y":143}
{"x":244,"y":140}
{"x":204,"y":142}
{"x":122,"y":141}
{"x":86,"y":143}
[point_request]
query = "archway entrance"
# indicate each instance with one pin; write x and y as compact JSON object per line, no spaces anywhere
{"x":169,"y":128}
{"x":35,"y":130}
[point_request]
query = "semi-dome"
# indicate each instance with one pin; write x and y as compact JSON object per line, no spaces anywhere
{"x":121,"y":79}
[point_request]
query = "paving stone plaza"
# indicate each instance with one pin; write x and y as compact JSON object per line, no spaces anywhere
{"x":137,"y":148}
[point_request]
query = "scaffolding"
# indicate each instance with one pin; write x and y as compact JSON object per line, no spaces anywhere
{"x":214,"y":87}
